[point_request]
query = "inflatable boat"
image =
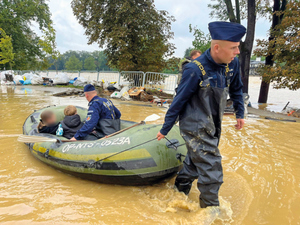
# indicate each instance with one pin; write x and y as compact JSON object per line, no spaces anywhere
{"x":132,"y":157}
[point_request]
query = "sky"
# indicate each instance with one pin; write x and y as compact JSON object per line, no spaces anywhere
{"x":70,"y":34}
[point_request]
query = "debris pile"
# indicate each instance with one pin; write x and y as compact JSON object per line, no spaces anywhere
{"x":105,"y":89}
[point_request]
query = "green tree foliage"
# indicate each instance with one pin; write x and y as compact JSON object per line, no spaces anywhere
{"x":89,"y":63}
{"x":283,"y":47}
{"x":172,"y":65}
{"x":99,"y":60}
{"x":16,"y":18}
{"x":48,"y":44}
{"x":6,"y":49}
{"x":73,"y":63}
{"x":187,"y":52}
{"x":136,"y":35}
{"x":201,"y":41}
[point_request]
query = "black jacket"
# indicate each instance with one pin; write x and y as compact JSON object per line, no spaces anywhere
{"x":49,"y":129}
{"x":70,"y":125}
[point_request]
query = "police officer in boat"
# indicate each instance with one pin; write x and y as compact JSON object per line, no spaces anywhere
{"x":103,"y":118}
{"x":200,"y":103}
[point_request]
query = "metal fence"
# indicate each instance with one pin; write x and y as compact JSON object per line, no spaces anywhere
{"x":150,"y":80}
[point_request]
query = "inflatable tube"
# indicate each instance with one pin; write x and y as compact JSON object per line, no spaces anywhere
{"x":143,"y":160}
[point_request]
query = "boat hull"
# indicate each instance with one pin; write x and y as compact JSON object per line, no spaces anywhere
{"x":133,"y":157}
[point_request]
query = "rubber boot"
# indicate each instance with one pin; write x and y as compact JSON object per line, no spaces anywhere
{"x":202,"y":204}
{"x":183,"y":186}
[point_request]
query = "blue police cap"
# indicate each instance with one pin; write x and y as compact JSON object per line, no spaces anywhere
{"x":226,"y":31}
{"x":88,"y":88}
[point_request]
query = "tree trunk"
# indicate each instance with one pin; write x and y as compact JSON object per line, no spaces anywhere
{"x":265,"y":85}
{"x":247,"y":45}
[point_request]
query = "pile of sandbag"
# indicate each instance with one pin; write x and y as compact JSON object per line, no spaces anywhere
{"x":30,"y":78}
{"x":18,"y":79}
{"x":61,"y":78}
{"x":3,"y":77}
{"x":80,"y":81}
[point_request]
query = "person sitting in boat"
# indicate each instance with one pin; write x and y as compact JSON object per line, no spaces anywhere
{"x":71,"y":123}
{"x":48,"y":123}
{"x":103,"y":118}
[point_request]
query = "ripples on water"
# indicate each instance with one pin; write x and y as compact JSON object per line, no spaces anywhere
{"x":261,"y":177}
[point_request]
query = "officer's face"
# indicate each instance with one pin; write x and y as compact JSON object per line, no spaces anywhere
{"x":228,"y":50}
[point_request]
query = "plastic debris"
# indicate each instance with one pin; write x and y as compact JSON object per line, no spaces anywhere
{"x":61,"y":78}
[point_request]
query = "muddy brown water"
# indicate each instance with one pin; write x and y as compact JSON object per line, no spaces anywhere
{"x":261,"y":176}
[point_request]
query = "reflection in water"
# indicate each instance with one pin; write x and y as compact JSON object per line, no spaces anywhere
{"x":261,"y":177}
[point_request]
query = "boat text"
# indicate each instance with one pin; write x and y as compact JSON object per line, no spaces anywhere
{"x":104,"y":143}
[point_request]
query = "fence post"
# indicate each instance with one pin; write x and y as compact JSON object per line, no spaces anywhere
{"x":119,"y":78}
{"x":144,"y":76}
{"x":97,"y":75}
{"x":47,"y":73}
{"x":78,"y":73}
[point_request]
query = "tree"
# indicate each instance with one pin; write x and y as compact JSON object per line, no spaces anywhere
{"x":6,"y":49}
{"x":225,"y":9}
{"x":73,"y":63}
{"x":48,"y":44}
{"x":187,"y":52}
{"x":136,"y":35}
{"x":101,"y":60}
{"x":283,"y":47}
{"x":172,"y":65}
{"x":16,"y":19}
{"x":89,"y":63}
{"x":202,"y":41}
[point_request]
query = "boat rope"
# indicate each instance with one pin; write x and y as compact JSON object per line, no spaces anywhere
{"x":117,"y":153}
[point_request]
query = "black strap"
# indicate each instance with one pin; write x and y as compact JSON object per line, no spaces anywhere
{"x":201,"y":67}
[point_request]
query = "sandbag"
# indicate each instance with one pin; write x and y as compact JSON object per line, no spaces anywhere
{"x":27,"y":82}
{"x":119,"y":94}
{"x":36,"y":79}
{"x":80,"y":81}
{"x":17,"y":79}
{"x":2,"y":74}
{"x":61,"y":78}
{"x":28,"y":76}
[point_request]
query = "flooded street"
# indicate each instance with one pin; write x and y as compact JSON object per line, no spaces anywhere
{"x":261,"y":175}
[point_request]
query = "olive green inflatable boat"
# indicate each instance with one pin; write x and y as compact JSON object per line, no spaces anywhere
{"x":133,"y":157}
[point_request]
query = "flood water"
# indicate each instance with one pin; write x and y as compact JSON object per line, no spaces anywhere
{"x":261,"y":176}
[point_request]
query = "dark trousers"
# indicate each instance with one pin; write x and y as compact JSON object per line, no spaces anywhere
{"x":95,"y":135}
{"x":207,"y":168}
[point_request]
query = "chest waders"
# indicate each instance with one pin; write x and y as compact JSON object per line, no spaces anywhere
{"x":200,"y":127}
{"x":108,"y":126}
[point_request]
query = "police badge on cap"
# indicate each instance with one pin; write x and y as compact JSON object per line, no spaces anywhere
{"x":226,"y":31}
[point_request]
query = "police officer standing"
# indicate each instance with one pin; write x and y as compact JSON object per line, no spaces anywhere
{"x":103,"y":118}
{"x":200,"y":103}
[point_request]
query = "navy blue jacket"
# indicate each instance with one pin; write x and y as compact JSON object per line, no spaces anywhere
{"x":189,"y":85}
{"x":97,"y":110}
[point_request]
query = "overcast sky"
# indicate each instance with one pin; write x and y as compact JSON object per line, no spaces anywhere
{"x":70,"y":35}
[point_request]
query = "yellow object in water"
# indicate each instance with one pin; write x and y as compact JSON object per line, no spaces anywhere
{"x":25,"y":91}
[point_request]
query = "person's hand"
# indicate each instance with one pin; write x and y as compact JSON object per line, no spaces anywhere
{"x":160,"y":136}
{"x":73,"y":139}
{"x":240,"y":124}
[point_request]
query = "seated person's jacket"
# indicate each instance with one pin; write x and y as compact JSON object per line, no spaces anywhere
{"x":70,"y":125}
{"x":102,"y":117}
{"x":49,"y":129}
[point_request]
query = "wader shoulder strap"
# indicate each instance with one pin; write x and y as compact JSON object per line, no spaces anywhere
{"x":204,"y":75}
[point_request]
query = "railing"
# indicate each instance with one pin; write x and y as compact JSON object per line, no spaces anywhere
{"x":150,"y":80}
